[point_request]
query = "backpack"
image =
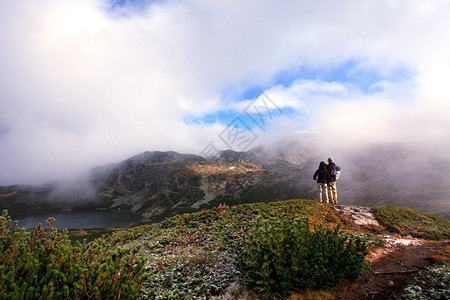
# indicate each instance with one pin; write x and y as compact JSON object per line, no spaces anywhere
{"x":335,"y":171}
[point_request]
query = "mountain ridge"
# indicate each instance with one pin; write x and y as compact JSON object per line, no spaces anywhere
{"x":165,"y":183}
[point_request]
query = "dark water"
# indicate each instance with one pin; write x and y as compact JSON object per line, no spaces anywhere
{"x":79,"y":219}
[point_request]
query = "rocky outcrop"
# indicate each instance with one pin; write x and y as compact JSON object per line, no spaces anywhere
{"x":362,"y":216}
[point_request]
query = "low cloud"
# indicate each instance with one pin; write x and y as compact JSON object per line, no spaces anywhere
{"x":83,"y":84}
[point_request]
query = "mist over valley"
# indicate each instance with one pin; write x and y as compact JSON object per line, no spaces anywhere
{"x":160,"y":184}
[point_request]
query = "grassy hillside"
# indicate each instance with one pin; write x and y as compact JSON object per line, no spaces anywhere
{"x":192,"y":254}
{"x":406,"y":221}
{"x":196,"y":255}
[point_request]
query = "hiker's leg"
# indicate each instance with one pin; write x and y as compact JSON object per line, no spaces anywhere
{"x":333,"y":192}
{"x":330,"y":193}
{"x":319,"y":188}
{"x":325,"y":191}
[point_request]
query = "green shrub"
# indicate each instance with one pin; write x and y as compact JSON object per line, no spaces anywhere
{"x":282,"y":254}
{"x":45,"y":265}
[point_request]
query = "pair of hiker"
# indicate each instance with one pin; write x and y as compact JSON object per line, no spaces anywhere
{"x":326,"y":177}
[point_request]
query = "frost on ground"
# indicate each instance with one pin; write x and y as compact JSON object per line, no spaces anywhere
{"x":385,"y":244}
{"x":431,"y":283}
{"x":194,"y":274}
{"x":393,"y":242}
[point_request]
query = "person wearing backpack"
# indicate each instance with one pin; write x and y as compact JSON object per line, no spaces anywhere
{"x":323,"y":179}
{"x":334,"y":172}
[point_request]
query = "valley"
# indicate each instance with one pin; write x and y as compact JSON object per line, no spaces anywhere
{"x":154,"y":185}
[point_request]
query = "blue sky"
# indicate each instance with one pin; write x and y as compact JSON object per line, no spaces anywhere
{"x":137,"y":4}
{"x":85,"y":83}
{"x":364,"y":79}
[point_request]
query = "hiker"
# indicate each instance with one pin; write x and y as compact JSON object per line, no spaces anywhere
{"x":334,"y":174}
{"x":323,"y":179}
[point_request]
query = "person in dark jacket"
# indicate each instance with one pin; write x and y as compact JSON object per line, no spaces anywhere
{"x":334,"y":173}
{"x":323,"y":179}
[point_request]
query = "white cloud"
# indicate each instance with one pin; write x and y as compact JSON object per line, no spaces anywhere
{"x":80,"y":86}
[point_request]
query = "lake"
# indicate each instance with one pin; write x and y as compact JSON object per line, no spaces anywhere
{"x":80,"y":219}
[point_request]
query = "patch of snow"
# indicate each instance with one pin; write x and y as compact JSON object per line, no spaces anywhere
{"x":208,"y":196}
{"x":403,"y":242}
{"x":153,"y":212}
{"x":135,"y":201}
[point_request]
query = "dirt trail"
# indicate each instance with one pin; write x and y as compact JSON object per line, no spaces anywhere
{"x":392,"y":271}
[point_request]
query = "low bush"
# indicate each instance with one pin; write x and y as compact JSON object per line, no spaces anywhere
{"x":282,"y":254}
{"x":45,"y":265}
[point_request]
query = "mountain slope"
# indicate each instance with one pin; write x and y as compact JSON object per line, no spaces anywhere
{"x":165,"y":183}
{"x":191,"y":255}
